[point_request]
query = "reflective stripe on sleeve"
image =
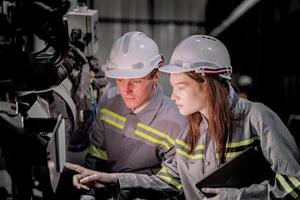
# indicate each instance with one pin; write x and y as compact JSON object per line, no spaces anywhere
{"x":183,"y":149}
{"x":289,"y":188}
{"x":235,"y":148}
{"x":243,"y":142}
{"x":294,"y":181}
{"x":190,"y":156}
{"x":165,"y":175}
{"x":182,"y":143}
{"x":98,"y":153}
{"x":230,"y":154}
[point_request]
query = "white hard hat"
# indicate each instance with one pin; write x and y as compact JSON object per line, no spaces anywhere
{"x":134,"y":55}
{"x":202,"y":54}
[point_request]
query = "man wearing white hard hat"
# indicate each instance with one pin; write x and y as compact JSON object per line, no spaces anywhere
{"x":221,"y":127}
{"x":137,"y":124}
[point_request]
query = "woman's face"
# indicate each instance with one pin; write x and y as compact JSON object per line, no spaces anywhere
{"x":188,"y":94}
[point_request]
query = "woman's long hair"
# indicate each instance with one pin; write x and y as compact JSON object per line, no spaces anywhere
{"x":220,"y":119}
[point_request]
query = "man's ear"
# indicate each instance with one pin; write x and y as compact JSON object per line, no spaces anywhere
{"x":156,"y":76}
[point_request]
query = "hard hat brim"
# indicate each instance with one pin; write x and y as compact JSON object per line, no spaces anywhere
{"x":171,"y":69}
{"x":128,"y":74}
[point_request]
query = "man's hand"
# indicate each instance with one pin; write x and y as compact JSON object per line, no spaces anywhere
{"x":76,"y":167}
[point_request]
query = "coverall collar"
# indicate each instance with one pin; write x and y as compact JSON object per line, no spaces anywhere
{"x":233,"y":97}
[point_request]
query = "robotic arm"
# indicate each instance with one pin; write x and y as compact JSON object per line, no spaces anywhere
{"x":23,"y":69}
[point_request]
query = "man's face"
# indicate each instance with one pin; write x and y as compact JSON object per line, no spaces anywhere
{"x":138,"y":91}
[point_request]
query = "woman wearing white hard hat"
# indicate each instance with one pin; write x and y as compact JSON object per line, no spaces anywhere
{"x":221,"y":126}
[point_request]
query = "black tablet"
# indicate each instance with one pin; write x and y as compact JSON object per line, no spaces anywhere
{"x":247,"y":168}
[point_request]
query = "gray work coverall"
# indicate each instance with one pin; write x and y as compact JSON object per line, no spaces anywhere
{"x":122,"y":141}
{"x":258,"y":125}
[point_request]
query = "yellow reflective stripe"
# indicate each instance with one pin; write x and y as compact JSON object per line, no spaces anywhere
{"x":294,"y":181}
{"x":171,"y":181}
{"x":286,"y":186}
{"x":242,"y":143}
{"x":199,"y":147}
{"x":156,"y":132}
{"x":99,"y":153}
{"x":168,"y":178}
{"x":196,"y":156}
{"x":229,"y":154}
{"x":115,"y":115}
{"x":114,"y":123}
{"x":182,"y":143}
{"x":152,"y":139}
{"x":163,"y":169}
